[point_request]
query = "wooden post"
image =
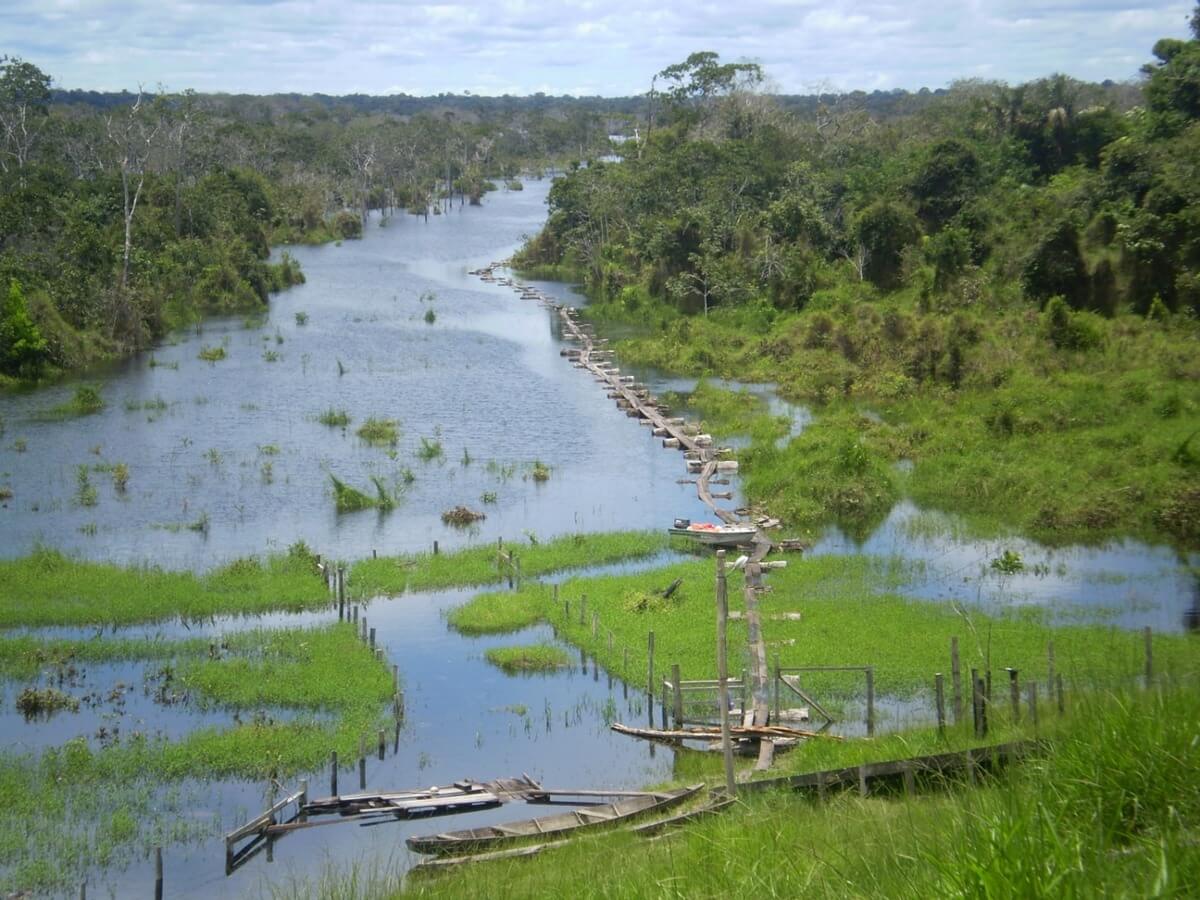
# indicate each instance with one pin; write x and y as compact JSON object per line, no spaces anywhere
{"x":650,"y":678}
{"x":863,"y":789}
{"x":395,"y":679}
{"x":1033,"y":705}
{"x":435,"y":548}
{"x":723,"y":673}
{"x":354,"y":615}
{"x":821,"y":786}
{"x":1014,"y":694}
{"x":1050,"y":665}
{"x":625,"y":666}
{"x":956,"y":681}
{"x":362,"y":763}
{"x":363,"y":637}
{"x":677,"y":697}
{"x":372,"y":640}
{"x":517,"y":569}
{"x":595,"y":624}
{"x":556,"y":595}
{"x":566,"y":611}
{"x":1149,"y":655}
{"x":374,"y":553}
{"x":975,"y":700}
{"x":778,"y":679}
{"x":382,"y":743}
{"x":398,"y":706}
{"x":610,"y":643}
{"x":582,"y":609}
{"x":303,"y":800}
{"x":910,"y":783}
{"x":83,"y":890}
{"x":940,"y":695}
{"x":333,"y":792}
{"x":870,"y":701}
{"x":158,"y":873}
{"x":1058,"y":690}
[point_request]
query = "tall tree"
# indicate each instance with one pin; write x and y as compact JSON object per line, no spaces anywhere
{"x":132,"y":133}
{"x":24,"y":101}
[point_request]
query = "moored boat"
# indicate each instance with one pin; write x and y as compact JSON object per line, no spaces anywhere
{"x":551,"y":828}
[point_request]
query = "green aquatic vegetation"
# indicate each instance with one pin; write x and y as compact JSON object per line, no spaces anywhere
{"x":44,"y":701}
{"x":25,"y":657}
{"x":212,"y":354}
{"x":850,"y":612}
{"x":539,"y":471}
{"x":85,"y":401}
{"x":430,"y":316}
{"x":379,"y":432}
{"x":487,"y":497}
{"x":334,"y":418}
{"x":47,"y":588}
{"x":479,"y":565}
{"x":271,"y":356}
{"x":85,"y":491}
{"x":430,"y":449}
{"x":120,"y":477}
{"x":301,"y":318}
{"x":529,"y":658}
{"x":499,"y":612}
{"x":349,"y":499}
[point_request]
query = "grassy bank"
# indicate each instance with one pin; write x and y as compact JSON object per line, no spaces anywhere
{"x":827,"y":610}
{"x":481,"y":565}
{"x":47,"y":588}
{"x":1060,"y":441}
{"x":531,"y":658}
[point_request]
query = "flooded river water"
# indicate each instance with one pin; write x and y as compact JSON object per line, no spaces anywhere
{"x":228,"y":458}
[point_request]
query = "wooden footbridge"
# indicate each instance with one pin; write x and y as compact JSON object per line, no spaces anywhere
{"x":702,"y":459}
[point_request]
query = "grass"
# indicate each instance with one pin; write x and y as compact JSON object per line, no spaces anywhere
{"x":529,"y":658}
{"x":998,"y":423}
{"x":45,"y":701}
{"x":212,"y":354}
{"x":430,"y":449}
{"x":24,"y":657}
{"x":104,"y":806}
{"x":349,"y":499}
{"x":500,"y":613}
{"x":85,"y":401}
{"x":379,"y":432}
{"x":1066,"y":824}
{"x":851,"y":614}
{"x":334,"y":418}
{"x":478,"y":565}
{"x":47,"y":588}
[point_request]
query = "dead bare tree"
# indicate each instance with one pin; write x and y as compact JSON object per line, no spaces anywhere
{"x":132,"y":134}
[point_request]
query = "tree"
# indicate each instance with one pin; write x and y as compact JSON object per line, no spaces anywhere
{"x":1056,"y":268}
{"x":945,"y":181}
{"x":132,"y":134}
{"x":24,"y":102}
{"x":22,"y":347}
{"x":1173,"y":91}
{"x":884,"y":229}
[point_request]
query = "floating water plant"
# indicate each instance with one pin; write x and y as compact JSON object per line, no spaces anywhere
{"x":430,"y":449}
{"x":271,"y":356}
{"x":462,"y":516}
{"x":532,"y":658}
{"x":84,"y":402}
{"x":120,"y":476}
{"x":85,"y":491}
{"x":301,"y":318}
{"x":33,"y":702}
{"x":430,"y":316}
{"x":380,"y":432}
{"x":348,"y":499}
{"x":488,"y":497}
{"x":540,"y":471}
{"x":212,"y":354}
{"x":334,"y":418}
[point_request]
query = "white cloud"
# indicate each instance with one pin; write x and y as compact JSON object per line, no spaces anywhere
{"x":609,"y":47}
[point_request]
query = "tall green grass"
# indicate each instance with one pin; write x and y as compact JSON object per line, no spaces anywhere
{"x":480,"y":565}
{"x":1111,"y":810}
{"x":48,"y":588}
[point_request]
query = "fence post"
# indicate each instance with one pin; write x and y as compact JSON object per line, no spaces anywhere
{"x":975,"y":700}
{"x":723,"y":673}
{"x":583,"y":609}
{"x":1050,"y":665}
{"x":333,"y":792}
{"x":158,"y":873}
{"x":939,"y":693}
{"x":1033,"y":706}
{"x":650,"y":677}
{"x":778,"y":676}
{"x":870,"y":701}
{"x":956,"y":681}
{"x":1014,"y":693}
{"x":677,"y":704}
{"x":983,"y":709}
{"x":1058,"y":689}
{"x":595,"y":624}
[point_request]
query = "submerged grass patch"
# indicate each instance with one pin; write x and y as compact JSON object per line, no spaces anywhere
{"x":379,"y":432}
{"x":480,"y":565}
{"x":47,"y":588}
{"x":85,"y":401}
{"x":500,"y":613}
{"x":530,"y":658}
{"x":334,"y":418}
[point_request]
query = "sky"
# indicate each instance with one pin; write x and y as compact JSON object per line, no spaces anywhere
{"x":609,"y":48}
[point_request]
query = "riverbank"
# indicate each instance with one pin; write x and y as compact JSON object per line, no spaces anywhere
{"x":987,"y":414}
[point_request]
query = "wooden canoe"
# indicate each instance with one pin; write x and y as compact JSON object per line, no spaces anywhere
{"x":718,"y":536}
{"x":545,"y":828}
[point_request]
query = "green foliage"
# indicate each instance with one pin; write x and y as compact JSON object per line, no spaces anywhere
{"x":23,"y":350}
{"x":1069,"y":330}
{"x":334,"y":418}
{"x":347,"y":499}
{"x":530,"y":658}
{"x":46,"y":588}
{"x":1056,"y":268}
{"x":377,"y":432}
{"x":212,"y":354}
